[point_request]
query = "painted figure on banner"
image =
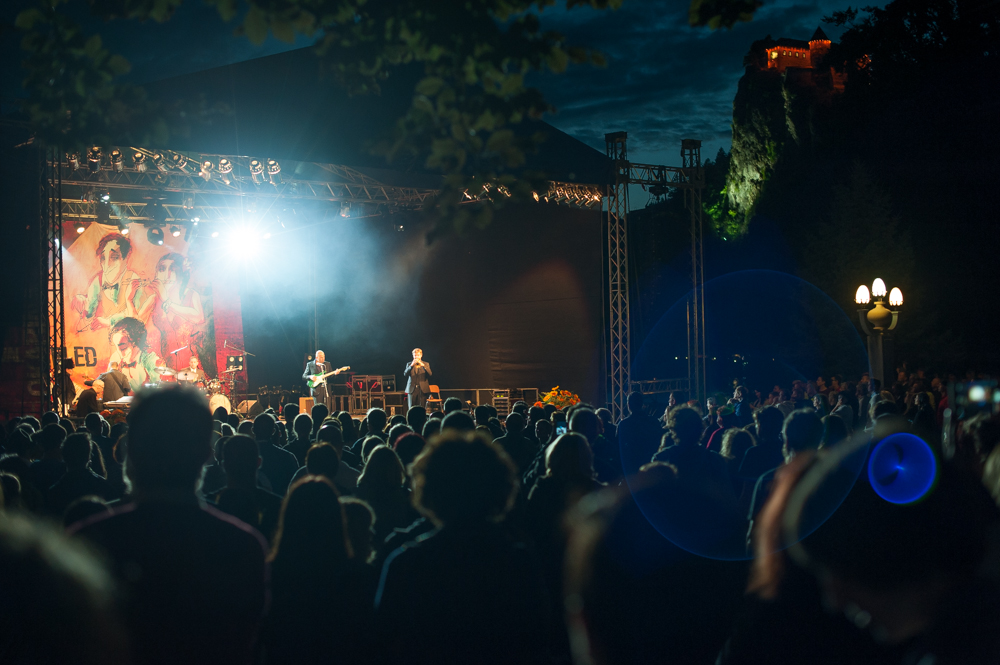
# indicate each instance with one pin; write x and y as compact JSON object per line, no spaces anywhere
{"x":129,"y":350}
{"x":173,"y":307}
{"x":108,"y":295}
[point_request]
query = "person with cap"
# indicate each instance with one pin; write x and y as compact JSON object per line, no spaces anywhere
{"x":90,"y":399}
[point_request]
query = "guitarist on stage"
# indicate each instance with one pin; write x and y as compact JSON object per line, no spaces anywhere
{"x":315,"y":377}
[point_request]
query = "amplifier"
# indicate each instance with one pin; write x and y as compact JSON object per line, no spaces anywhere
{"x":389,"y":383}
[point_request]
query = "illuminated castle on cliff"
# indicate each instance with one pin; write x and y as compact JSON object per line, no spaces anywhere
{"x":801,"y":60}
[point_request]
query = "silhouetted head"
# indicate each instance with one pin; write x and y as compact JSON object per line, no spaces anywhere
{"x":220,"y":414}
{"x":408,"y":447}
{"x":452,"y":404}
{"x":263,"y":426}
{"x":634,"y":401}
{"x":515,"y":423}
{"x":684,"y":426}
{"x":803,"y":430}
{"x":76,"y":450}
{"x":397,"y":431}
{"x":481,"y":414}
{"x":462,"y":478}
{"x":322,"y":460}
{"x":458,"y":420}
{"x":332,"y":435}
{"x":311,"y":539}
{"x":585,"y":422}
{"x":169,"y":439}
{"x":416,"y":417}
{"x":50,"y":438}
{"x":303,"y":426}
{"x":431,"y":427}
{"x":383,"y":471}
{"x":735,"y":442}
{"x":570,"y":458}
{"x":770,"y":420}
{"x":241,"y":458}
{"x":376,"y":420}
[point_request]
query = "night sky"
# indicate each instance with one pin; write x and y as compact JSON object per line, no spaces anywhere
{"x":665,"y":80}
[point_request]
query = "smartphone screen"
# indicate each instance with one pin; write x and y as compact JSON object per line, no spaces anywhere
{"x":560,"y":429}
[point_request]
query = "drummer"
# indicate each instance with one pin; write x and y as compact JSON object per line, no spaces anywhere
{"x":193,"y":375}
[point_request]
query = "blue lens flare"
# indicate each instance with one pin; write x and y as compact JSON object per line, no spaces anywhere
{"x":902,"y":468}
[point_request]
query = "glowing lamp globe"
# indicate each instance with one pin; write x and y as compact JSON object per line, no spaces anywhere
{"x":895,"y":297}
{"x":878,"y":288}
{"x":862,"y":297}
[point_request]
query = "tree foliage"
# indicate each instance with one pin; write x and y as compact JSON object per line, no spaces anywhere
{"x":464,"y":114}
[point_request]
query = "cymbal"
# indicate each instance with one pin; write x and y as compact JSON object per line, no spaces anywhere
{"x":166,"y":371}
{"x":228,"y":371}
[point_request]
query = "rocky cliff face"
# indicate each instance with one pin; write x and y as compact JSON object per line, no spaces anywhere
{"x":775,"y":115}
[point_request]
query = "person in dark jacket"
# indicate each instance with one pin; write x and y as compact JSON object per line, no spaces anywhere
{"x":79,"y":480}
{"x":464,"y":590}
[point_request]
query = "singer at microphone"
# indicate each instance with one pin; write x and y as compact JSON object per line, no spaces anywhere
{"x":417,"y":373}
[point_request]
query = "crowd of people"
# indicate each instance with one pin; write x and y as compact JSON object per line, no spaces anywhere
{"x":539,"y":536}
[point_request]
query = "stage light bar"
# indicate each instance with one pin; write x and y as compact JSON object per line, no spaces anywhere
{"x":73,"y":160}
{"x":117,"y":161}
{"x":94,"y":159}
{"x":206,"y":170}
{"x":154,"y":235}
{"x":160,"y":163}
{"x":274,"y":172}
{"x":256,"y":172}
{"x":139,"y":161}
{"x":225,"y":169}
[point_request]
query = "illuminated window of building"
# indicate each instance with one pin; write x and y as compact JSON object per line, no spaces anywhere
{"x":774,"y":55}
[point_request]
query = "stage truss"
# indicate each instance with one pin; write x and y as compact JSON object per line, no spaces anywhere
{"x":690,"y":179}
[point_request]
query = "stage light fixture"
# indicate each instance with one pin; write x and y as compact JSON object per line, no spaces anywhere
{"x":179,"y":162}
{"x":160,"y":162}
{"x":139,"y":161}
{"x":175,"y":231}
{"x":345,"y":210}
{"x":206,"y":170}
{"x":154,"y":235}
{"x":189,"y":202}
{"x":274,"y":172}
{"x":104,"y":209}
{"x":256,"y":172}
{"x":157,"y":213}
{"x":73,"y":160}
{"x":94,"y":159}
{"x":123,"y":225}
{"x":215,"y":234}
{"x":80,"y":228}
{"x":117,"y":161}
{"x":225,"y":169}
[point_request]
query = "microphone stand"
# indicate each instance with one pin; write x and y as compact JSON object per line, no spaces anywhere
{"x":232,"y":389}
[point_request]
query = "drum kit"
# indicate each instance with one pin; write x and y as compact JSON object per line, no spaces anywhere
{"x":215,"y":389}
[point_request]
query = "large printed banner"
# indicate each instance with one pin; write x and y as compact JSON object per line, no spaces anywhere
{"x":144,"y":307}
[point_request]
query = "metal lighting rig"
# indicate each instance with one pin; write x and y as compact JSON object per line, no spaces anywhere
{"x":690,"y":179}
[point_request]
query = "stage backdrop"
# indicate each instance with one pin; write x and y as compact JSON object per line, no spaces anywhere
{"x":144,"y":306}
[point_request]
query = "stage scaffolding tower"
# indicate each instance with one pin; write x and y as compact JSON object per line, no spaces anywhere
{"x":52,"y":341}
{"x":689,"y":178}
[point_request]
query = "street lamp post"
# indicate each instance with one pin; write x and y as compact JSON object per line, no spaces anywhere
{"x":877,"y":321}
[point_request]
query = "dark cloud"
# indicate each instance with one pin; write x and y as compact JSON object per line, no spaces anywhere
{"x":665,"y":80}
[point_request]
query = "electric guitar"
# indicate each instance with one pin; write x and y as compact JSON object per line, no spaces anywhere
{"x":316,"y":379}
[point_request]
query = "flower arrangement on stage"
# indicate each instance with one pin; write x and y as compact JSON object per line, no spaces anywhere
{"x":559,"y":398}
{"x":114,"y":417}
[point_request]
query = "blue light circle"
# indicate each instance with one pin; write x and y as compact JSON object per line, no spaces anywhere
{"x":902,"y":468}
